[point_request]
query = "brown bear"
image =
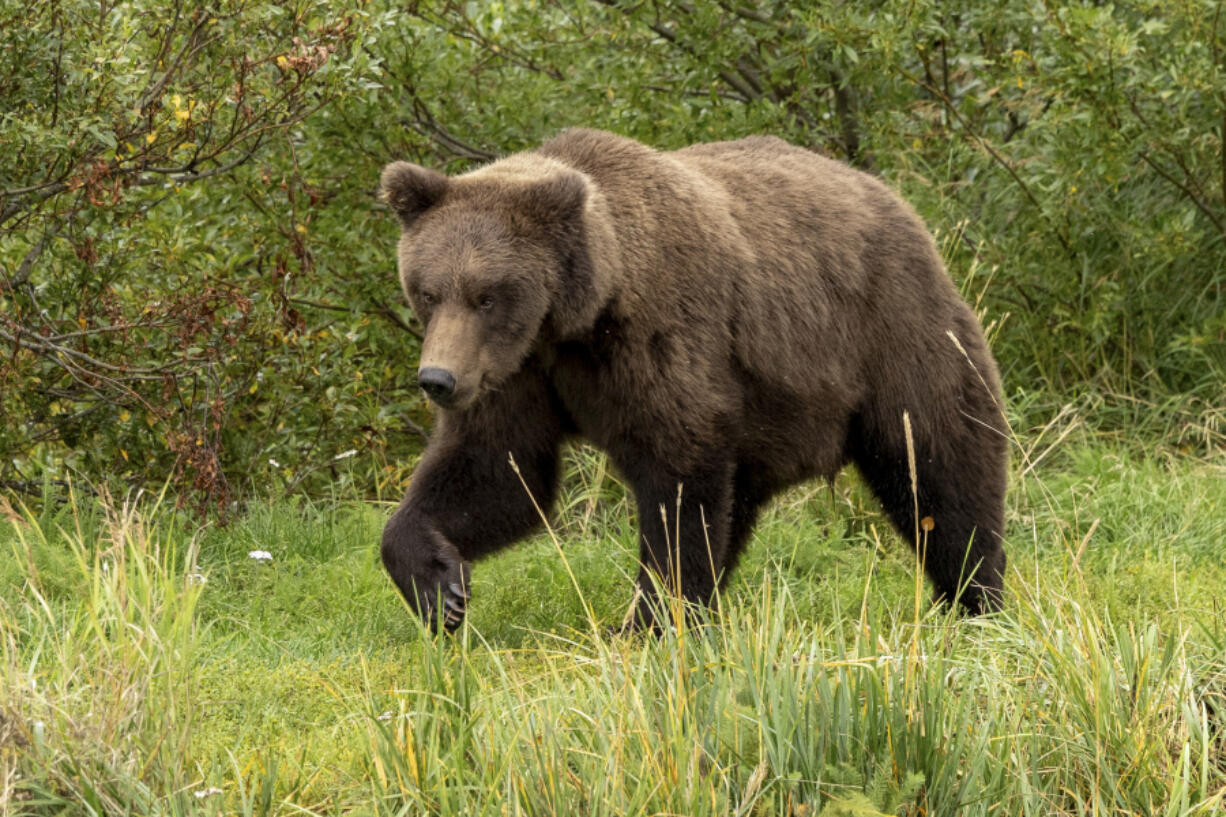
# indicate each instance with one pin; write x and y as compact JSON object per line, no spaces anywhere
{"x":724,"y":320}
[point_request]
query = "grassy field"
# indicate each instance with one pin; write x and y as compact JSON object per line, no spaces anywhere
{"x":148,"y":666}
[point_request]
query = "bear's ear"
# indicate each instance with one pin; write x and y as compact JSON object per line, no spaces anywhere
{"x":571,"y":208}
{"x":556,"y":200}
{"x":411,"y":190}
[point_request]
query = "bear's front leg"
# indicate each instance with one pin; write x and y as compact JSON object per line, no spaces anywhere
{"x":683,"y":536}
{"x":476,"y":490}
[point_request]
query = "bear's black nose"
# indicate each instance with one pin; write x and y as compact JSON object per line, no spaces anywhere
{"x":437,"y":383}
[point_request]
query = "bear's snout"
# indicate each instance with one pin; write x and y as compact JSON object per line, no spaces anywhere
{"x":437,"y":383}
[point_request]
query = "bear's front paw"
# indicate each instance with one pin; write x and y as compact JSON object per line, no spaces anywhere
{"x":429,"y":570}
{"x":441,"y":589}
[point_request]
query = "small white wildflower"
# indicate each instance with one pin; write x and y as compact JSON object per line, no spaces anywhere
{"x":260,"y":555}
{"x":273,"y":463}
{"x":196,"y":578}
{"x":209,"y":792}
{"x":344,"y":455}
{"x":386,"y":716}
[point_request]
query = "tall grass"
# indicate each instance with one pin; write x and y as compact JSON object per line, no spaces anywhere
{"x":97,"y":657}
{"x":130,"y":686}
{"x":1041,"y":711}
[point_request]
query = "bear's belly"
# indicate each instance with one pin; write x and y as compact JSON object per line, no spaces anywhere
{"x":632,"y":415}
{"x":795,"y":433}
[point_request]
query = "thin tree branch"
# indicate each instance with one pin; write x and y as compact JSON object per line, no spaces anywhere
{"x":27,"y":263}
{"x":40,"y":343}
{"x":382,"y":310}
{"x":426,"y":125}
{"x":46,"y":192}
{"x":995,"y":154}
{"x":1190,"y":180}
{"x":1187,"y":191}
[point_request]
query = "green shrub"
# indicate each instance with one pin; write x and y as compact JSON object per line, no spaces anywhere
{"x":196,"y":281}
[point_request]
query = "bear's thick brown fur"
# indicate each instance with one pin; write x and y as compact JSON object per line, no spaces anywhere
{"x":724,"y":320}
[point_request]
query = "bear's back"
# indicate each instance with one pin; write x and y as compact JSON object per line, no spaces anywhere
{"x":812,"y":223}
{"x":798,"y":253}
{"x":837,"y":249}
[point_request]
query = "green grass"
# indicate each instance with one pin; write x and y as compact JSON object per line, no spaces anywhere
{"x":826,"y":685}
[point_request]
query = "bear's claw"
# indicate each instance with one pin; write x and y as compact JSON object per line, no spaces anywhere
{"x":454,"y":604}
{"x":445,"y":600}
{"x":443,"y":595}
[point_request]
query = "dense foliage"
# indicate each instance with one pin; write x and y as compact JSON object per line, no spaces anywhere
{"x":196,"y":281}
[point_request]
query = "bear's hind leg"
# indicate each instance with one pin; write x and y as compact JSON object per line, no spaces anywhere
{"x":960,"y":487}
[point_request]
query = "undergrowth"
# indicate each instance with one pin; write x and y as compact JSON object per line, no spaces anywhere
{"x":148,"y":666}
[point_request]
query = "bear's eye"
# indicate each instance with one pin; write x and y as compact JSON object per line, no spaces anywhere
{"x":485,"y":303}
{"x":428,"y":298}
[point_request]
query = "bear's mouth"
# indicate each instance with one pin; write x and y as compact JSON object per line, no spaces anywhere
{"x":449,"y":402}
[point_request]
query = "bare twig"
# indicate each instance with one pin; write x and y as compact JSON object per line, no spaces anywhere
{"x":35,"y":487}
{"x":849,"y":122}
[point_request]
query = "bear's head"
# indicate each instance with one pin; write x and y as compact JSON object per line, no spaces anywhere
{"x":496,"y":261}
